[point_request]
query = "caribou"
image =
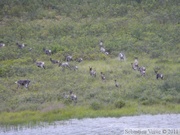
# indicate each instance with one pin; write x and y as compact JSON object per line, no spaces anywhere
{"x":64,"y":65}
{"x":158,"y":75}
{"x":103,"y":76}
{"x":70,"y":96}
{"x":20,"y":45}
{"x":121,"y":56}
{"x":116,"y":84}
{"x":142,"y":70}
{"x":73,"y":67}
{"x":92,"y":72}
{"x":79,"y":60}
{"x":46,"y":51}
{"x":103,"y":50}
{"x":40,"y":64}
{"x":136,"y":62}
{"x":101,"y":43}
{"x":54,"y":61}
{"x":73,"y":96}
{"x":68,"y":58}
{"x":24,"y":83}
{"x":135,"y":65}
{"x":2,"y":45}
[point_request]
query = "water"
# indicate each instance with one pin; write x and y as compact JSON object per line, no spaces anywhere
{"x":98,"y":126}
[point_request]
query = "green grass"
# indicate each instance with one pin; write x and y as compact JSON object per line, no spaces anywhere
{"x":45,"y":102}
{"x":34,"y":117}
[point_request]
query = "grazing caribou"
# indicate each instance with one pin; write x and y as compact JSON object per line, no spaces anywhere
{"x":72,"y":67}
{"x":30,"y":49}
{"x":68,"y":58}
{"x":46,"y":51}
{"x":158,"y":75}
{"x":107,"y":53}
{"x":116,"y":84}
{"x":92,"y":72}
{"x":142,"y":70}
{"x":70,"y":96}
{"x":73,"y":96}
{"x":79,"y":60}
{"x":64,"y":65}
{"x":40,"y":64}
{"x":134,"y":66}
{"x":20,"y":45}
{"x":24,"y":83}
{"x":2,"y":45}
{"x":103,"y":50}
{"x":54,"y":61}
{"x":103,"y":76}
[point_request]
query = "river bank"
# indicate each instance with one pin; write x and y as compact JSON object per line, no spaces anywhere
{"x":34,"y":117}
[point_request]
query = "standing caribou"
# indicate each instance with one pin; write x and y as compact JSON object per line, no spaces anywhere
{"x":142,"y":70}
{"x":101,"y":43}
{"x":73,"y":96}
{"x":70,"y":96}
{"x":92,"y":72}
{"x":121,"y":56}
{"x":135,"y":65}
{"x":103,"y":76}
{"x":116,"y":84}
{"x":136,"y":62}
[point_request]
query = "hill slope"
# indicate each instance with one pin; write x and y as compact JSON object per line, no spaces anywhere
{"x":148,"y":30}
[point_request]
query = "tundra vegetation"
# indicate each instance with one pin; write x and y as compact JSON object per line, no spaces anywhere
{"x":145,"y":29}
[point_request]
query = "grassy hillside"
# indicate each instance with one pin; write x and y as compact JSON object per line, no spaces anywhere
{"x":147,"y":29}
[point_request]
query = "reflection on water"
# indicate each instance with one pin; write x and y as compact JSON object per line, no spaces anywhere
{"x":97,"y":126}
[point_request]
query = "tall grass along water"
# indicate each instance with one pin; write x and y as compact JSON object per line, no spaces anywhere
{"x":129,"y":125}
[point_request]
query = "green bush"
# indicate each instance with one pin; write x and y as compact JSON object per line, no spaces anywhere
{"x":119,"y":104}
{"x":172,"y":82}
{"x":95,"y":106}
{"x":149,"y":101}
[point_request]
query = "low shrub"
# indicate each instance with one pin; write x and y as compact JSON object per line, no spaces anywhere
{"x":149,"y":101}
{"x":171,"y":83}
{"x":119,"y":104}
{"x":95,"y":106}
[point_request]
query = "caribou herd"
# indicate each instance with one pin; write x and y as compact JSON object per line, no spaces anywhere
{"x":66,"y":65}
